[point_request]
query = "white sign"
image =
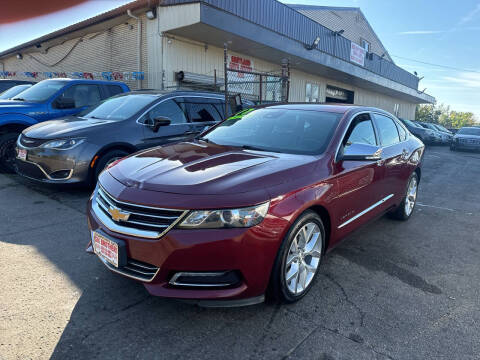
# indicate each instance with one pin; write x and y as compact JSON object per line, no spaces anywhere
{"x":357,"y":54}
{"x":245,"y":81}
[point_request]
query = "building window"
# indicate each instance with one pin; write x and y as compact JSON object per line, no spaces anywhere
{"x":396,"y":109}
{"x":312,"y":93}
{"x":365,"y":44}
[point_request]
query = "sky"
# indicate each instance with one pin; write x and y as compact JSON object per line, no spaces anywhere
{"x":418,"y":34}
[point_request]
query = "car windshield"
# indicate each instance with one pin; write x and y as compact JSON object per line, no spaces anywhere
{"x":41,"y":91}
{"x":8,"y":94}
{"x":277,"y":130}
{"x":120,"y":107}
{"x":410,"y":123}
{"x":469,"y":131}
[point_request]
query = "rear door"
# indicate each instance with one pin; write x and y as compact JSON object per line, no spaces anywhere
{"x":358,"y":181}
{"x":203,"y":113}
{"x":178,"y":130}
{"x":394,"y":155}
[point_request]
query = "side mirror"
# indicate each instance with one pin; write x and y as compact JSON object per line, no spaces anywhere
{"x":64,"y":103}
{"x":160,"y":121}
{"x":361,"y":152}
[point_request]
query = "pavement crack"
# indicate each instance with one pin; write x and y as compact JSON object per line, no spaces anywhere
{"x":347,"y":298}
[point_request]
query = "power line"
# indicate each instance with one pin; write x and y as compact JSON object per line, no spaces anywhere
{"x":438,"y":65}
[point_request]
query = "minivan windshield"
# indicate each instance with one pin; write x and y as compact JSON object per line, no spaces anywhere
{"x":41,"y":92}
{"x":120,"y":107}
{"x":469,"y":131}
{"x":280,"y":130}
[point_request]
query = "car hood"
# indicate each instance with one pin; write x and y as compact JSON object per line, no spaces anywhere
{"x":66,"y":128}
{"x":199,"y":168}
{"x":13,"y":106}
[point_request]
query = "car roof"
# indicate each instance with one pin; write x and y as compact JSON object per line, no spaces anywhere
{"x":177,"y":92}
{"x":106,"y":82}
{"x":326,"y":107}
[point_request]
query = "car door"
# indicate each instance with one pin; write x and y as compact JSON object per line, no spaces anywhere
{"x":75,"y":99}
{"x":178,"y":130}
{"x":357,"y":181}
{"x":394,"y":155}
{"x":202,"y":113}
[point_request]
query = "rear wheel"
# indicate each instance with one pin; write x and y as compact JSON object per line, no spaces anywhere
{"x":405,"y":209}
{"x":8,"y":152}
{"x":107,"y":159}
{"x":298,"y":259}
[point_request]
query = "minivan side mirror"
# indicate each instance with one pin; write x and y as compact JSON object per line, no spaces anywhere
{"x":160,"y":121}
{"x":64,"y":103}
{"x":361,"y":152}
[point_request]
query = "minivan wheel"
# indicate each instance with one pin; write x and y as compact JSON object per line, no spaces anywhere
{"x":8,"y":152}
{"x":298,"y":259}
{"x":405,"y":209}
{"x":106,"y":159}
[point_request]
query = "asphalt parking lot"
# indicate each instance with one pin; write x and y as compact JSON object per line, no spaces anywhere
{"x":392,"y":290}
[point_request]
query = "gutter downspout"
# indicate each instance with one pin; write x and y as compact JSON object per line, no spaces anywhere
{"x":139,"y":44}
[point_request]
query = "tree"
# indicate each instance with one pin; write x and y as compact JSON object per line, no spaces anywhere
{"x":442,"y":115}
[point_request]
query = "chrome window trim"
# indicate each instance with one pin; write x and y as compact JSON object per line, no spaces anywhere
{"x":366,"y":211}
{"x":348,"y":127}
{"x":176,"y":97}
{"x":173,"y":280}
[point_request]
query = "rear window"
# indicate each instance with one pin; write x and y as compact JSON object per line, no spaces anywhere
{"x":113,"y":90}
{"x":278,"y":130}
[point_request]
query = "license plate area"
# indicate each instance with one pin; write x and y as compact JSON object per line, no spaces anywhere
{"x":22,"y":154}
{"x":110,"y":250}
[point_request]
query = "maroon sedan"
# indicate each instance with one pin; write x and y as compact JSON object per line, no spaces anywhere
{"x":250,"y":208}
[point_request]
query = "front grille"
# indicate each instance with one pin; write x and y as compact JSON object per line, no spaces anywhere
{"x":135,"y":269}
{"x":31,"y":142}
{"x":140,"y":217}
{"x":29,"y":170}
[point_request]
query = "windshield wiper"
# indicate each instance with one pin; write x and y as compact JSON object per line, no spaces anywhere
{"x":206,"y":140}
{"x":19,"y":99}
{"x":250,"y":147}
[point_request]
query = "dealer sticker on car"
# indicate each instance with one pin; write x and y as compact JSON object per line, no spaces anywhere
{"x":22,"y":154}
{"x":105,"y":248}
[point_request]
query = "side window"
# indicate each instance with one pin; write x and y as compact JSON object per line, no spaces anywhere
{"x":387,"y":129}
{"x":202,"y":110}
{"x":113,"y":90}
{"x":361,"y":132}
{"x":402,"y":132}
{"x":82,"y":95}
{"x":169,"y":108}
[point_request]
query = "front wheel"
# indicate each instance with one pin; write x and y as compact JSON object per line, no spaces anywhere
{"x":107,"y":159}
{"x":8,"y":152}
{"x":298,"y":259}
{"x":405,"y":209}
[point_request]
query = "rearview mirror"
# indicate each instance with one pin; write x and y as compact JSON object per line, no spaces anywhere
{"x":160,"y":121}
{"x":64,"y":103}
{"x":361,"y":152}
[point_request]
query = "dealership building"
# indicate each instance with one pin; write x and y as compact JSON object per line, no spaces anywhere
{"x":330,"y":54}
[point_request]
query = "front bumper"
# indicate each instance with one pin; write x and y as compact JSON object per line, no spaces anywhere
{"x":465,"y":145}
{"x":249,"y":252}
{"x":55,"y":166}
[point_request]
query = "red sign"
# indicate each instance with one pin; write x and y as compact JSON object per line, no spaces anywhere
{"x":238,"y":63}
{"x":357,"y":54}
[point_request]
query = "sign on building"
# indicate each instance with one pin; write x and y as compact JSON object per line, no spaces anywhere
{"x":357,"y":54}
{"x":239,"y":81}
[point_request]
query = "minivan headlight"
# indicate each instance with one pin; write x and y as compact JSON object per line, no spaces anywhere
{"x":227,"y":218}
{"x":63,"y":144}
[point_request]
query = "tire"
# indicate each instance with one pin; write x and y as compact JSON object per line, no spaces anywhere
{"x":105,"y":160}
{"x":288,"y":291}
{"x":406,"y":207}
{"x":7,"y":152}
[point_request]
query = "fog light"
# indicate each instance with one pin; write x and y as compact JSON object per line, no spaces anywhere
{"x":60,"y":174}
{"x":205,"y":279}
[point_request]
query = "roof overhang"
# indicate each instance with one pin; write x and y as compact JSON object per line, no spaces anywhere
{"x":217,"y":27}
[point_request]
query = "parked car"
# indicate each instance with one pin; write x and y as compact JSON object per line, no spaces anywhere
{"x":439,"y":137}
{"x":255,"y":201}
{"x":426,"y":135}
{"x":467,"y":138}
{"x":6,"y":84}
{"x":76,"y":149}
{"x":446,"y":133}
{"x":14,"y":91}
{"x":49,"y":99}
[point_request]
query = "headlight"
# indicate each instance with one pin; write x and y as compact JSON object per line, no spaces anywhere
{"x":65,"y":144}
{"x":228,"y":218}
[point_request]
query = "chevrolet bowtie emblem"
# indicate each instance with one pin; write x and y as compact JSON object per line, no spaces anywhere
{"x":118,"y":215}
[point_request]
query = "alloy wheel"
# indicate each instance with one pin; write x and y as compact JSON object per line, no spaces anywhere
{"x":303,"y":258}
{"x":411,"y":195}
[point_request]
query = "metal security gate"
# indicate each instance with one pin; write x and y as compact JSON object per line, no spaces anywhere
{"x":259,"y":87}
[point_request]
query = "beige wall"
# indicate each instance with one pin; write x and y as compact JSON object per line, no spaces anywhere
{"x":113,"y":49}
